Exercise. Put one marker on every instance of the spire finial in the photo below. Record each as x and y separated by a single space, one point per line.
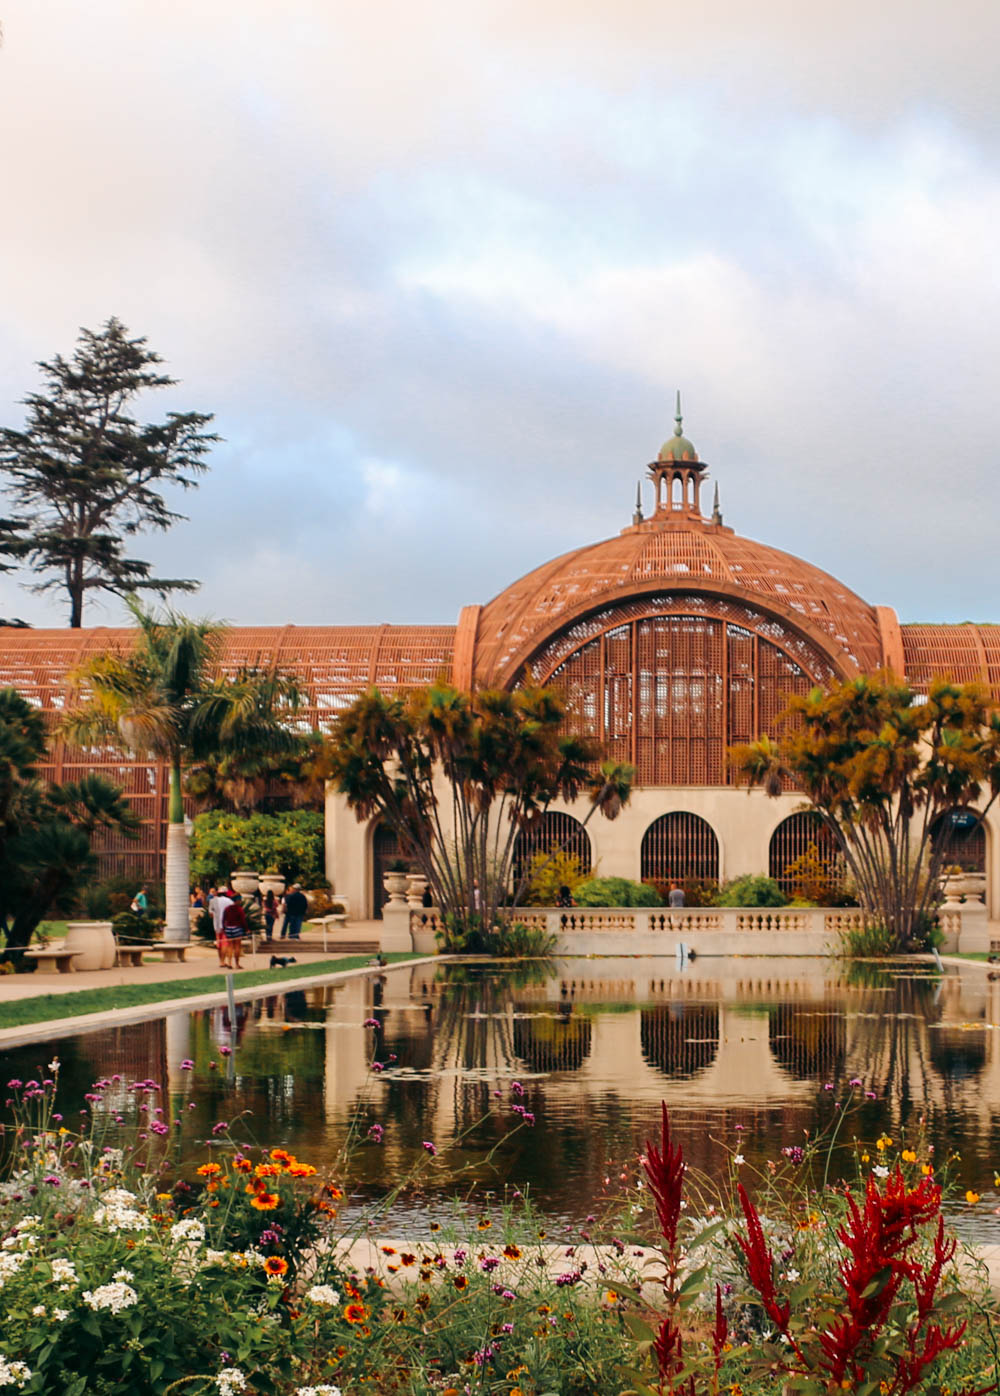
679 428
637 516
716 511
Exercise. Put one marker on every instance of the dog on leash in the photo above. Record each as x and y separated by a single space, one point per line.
281 961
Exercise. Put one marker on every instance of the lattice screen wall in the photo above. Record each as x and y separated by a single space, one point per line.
668 693
332 665
553 831
680 847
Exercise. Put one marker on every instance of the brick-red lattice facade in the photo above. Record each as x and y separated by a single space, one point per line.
671 641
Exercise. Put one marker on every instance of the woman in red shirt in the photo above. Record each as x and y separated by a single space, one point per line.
234 928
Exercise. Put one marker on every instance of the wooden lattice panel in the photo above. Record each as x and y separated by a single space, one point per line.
965 653
555 831
671 691
332 664
657 557
794 837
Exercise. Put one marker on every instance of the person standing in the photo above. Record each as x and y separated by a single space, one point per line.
675 897
296 906
140 902
270 913
234 928
219 903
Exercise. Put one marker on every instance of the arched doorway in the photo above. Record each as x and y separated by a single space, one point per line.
385 851
680 847
803 854
552 832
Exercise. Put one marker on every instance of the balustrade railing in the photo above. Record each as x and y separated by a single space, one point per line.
671 920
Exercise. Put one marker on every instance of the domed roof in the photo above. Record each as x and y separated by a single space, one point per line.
653 559
678 447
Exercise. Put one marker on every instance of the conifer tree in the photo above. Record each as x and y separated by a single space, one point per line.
87 475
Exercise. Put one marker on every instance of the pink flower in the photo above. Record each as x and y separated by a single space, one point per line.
430 1148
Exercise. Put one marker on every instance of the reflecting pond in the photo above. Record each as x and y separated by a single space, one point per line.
748 1053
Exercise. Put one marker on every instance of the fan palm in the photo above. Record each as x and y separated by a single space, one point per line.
163 700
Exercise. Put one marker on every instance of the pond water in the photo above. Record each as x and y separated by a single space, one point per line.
750 1055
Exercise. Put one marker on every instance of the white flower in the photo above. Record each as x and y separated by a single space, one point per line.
189 1231
791 1276
13 1373
323 1294
230 1380
120 1218
60 1314
125 1276
324 1390
215 1257
115 1297
64 1270
38 1311
738 1158
10 1263
54 1065
880 1171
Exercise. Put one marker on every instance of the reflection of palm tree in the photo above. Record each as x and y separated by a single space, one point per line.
888 1047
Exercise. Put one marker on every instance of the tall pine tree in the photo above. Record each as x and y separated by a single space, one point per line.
87 475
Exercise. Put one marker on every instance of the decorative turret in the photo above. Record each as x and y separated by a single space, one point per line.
677 474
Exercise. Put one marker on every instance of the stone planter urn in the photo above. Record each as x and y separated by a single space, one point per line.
424 939
92 944
244 881
416 885
271 882
395 885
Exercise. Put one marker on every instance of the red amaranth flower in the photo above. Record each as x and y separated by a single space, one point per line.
665 1170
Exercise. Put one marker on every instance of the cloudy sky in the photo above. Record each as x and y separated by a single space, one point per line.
438 269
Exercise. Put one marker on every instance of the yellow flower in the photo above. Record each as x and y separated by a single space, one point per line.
909 1156
926 1169
882 1143
971 1197
866 1158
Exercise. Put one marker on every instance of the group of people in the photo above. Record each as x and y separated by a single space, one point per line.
229 917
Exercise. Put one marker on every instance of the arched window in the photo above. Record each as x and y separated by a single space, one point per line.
680 1039
552 832
680 847
804 854
966 839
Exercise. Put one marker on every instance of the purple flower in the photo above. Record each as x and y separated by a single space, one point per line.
459 1256
828 1085
225 1051
187 1064
57 1118
516 1088
376 1133
377 1067
158 1127
528 1117
371 1023
572 1277
52 1180
192 1105
14 1085
489 1263
854 1081
739 1126
794 1152
508 1294
220 1126
430 1147
507 1327
870 1095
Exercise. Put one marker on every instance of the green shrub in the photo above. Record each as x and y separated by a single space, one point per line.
752 891
132 929
548 872
616 891
292 841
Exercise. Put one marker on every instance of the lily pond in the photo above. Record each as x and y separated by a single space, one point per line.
751 1056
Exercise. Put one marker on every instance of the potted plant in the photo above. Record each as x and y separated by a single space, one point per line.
271 880
394 881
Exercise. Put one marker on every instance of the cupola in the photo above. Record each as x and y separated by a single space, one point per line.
677 474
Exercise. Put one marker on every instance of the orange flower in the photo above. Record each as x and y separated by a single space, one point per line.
435 1226
511 1251
388 1250
266 1201
484 1224
355 1313
422 1301
208 1170
243 1165
267 1170
460 1282
333 1192
408 1259
281 1156
274 1265
301 1170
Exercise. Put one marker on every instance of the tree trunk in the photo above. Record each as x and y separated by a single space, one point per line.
178 925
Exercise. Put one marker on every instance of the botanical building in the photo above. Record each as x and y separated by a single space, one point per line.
672 640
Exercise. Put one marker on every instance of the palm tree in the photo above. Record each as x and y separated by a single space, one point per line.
162 700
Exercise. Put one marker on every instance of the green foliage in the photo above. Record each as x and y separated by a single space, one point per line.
616 891
45 831
292 841
548 873
495 759
131 928
87 475
751 891
102 901
880 769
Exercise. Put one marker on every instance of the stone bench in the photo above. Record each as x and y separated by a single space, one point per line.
173 951
130 956
51 961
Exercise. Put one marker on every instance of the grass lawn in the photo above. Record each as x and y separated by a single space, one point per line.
47 1008
969 955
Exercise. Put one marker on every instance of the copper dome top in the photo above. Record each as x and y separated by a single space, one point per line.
675 556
